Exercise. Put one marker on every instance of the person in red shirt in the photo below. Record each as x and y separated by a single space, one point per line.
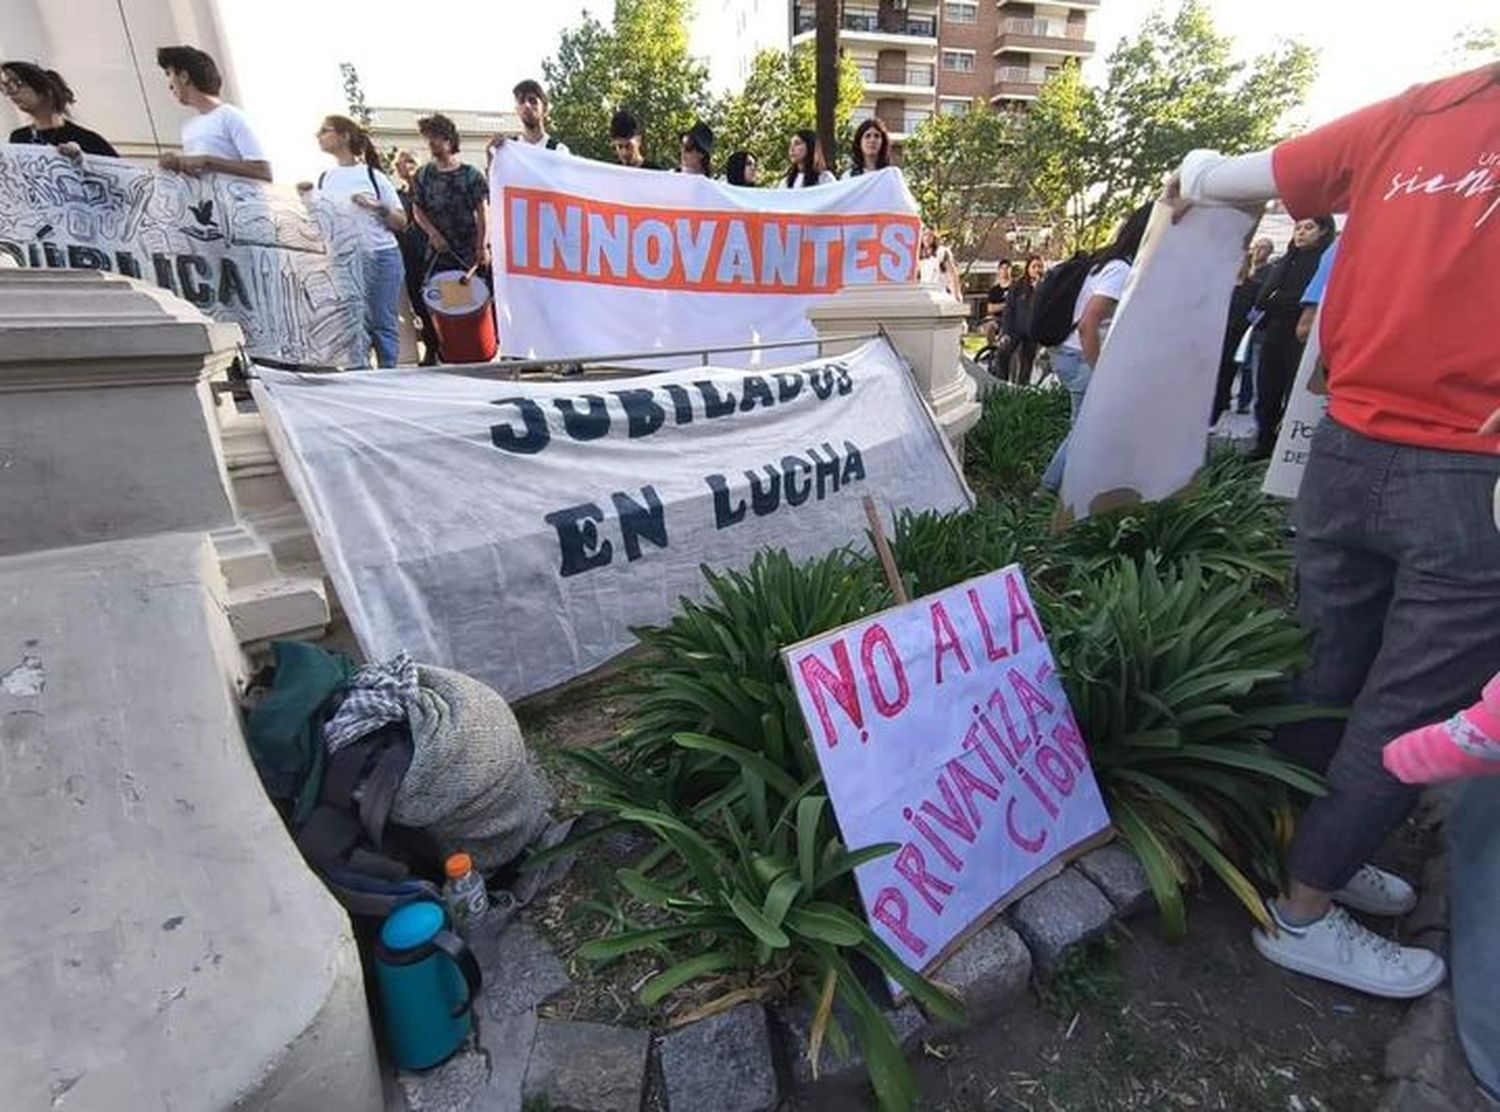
1398 551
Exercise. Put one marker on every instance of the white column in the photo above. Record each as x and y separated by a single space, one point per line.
925 326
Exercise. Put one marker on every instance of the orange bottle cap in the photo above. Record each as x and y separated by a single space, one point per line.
457 865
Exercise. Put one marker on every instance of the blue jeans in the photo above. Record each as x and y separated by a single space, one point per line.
1398 581
1073 373
1474 918
384 276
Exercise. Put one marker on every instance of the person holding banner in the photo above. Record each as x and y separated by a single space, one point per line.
218 138
697 151
43 95
871 149
629 146
1398 553
740 169
358 179
806 164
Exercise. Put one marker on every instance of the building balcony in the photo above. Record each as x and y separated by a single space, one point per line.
895 27
1018 82
899 79
1071 5
1043 36
902 126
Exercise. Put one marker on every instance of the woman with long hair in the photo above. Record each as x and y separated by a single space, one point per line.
805 163
1398 526
358 179
740 169
936 266
1015 325
1074 360
871 149
1280 301
43 95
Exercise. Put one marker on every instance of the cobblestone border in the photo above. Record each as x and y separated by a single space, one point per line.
749 1058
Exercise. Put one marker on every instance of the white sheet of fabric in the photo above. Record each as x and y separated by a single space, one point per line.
442 543
591 258
1144 422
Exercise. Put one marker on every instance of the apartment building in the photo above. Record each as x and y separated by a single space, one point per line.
919 57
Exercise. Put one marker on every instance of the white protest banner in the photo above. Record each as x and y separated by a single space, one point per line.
289 274
596 258
942 725
1304 410
1143 429
517 531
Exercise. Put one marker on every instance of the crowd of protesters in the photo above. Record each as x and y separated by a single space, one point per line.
1398 518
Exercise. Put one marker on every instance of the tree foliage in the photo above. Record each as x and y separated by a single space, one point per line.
964 171
779 98
1093 154
641 62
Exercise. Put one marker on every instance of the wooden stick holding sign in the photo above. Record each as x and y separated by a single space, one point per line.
883 550
942 725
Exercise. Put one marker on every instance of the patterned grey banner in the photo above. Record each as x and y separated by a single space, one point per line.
289 274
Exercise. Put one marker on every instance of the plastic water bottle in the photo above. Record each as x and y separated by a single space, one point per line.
464 891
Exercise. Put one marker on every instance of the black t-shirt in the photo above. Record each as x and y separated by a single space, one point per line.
90 142
997 296
449 198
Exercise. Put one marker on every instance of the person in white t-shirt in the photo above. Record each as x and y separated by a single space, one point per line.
532 106
219 137
359 180
806 165
1074 359
936 266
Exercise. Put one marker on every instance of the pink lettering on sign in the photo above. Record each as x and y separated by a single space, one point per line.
1057 771
1066 735
968 784
891 912
1032 701
913 867
877 638
1020 613
822 681
951 814
1030 845
945 640
991 650
934 839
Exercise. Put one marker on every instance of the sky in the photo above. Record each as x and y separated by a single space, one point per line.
287 52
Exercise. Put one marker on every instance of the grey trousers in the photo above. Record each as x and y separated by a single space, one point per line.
1474 913
1398 581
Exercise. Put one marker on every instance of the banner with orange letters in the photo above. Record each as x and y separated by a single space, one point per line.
591 258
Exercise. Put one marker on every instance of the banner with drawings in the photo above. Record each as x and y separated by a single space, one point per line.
288 273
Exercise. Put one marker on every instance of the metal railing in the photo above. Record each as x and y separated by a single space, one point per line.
514 368
1020 75
919 26
921 76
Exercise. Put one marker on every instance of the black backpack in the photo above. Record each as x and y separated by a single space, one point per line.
1055 299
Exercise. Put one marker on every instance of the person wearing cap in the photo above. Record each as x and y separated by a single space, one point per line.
625 137
531 106
698 150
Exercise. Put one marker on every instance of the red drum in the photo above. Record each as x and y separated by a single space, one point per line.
464 316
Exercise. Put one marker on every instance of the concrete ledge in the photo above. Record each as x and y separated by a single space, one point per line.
162 944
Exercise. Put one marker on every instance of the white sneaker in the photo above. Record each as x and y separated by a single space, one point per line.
1338 949
1377 892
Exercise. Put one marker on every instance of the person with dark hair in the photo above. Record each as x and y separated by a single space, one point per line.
1016 323
805 163
871 149
413 242
43 95
625 137
450 203
1074 360
1280 303
698 151
218 137
741 170
1398 535
532 106
360 180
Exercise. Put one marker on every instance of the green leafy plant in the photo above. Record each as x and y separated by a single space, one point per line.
1007 450
1176 680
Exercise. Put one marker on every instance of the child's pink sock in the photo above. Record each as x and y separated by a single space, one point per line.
1468 744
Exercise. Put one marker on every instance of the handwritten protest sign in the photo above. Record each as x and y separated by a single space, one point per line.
1304 410
942 725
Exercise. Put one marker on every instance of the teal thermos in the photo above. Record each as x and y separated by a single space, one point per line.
428 980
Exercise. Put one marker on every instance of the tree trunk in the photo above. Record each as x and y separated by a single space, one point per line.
828 73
